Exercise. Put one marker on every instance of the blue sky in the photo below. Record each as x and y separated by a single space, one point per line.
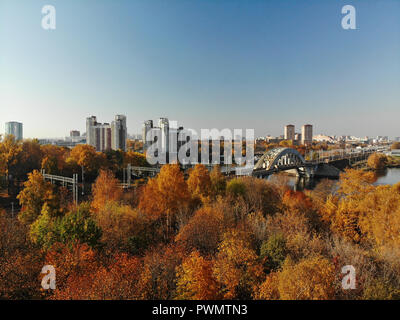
205 63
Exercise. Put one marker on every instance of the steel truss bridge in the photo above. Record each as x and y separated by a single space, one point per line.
282 159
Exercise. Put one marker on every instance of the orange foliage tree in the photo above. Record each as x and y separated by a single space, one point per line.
195 279
203 231
71 263
20 262
158 278
116 280
54 159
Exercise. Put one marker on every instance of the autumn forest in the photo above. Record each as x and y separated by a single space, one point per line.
191 235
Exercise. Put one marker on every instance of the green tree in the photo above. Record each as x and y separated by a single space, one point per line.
274 251
236 187
79 226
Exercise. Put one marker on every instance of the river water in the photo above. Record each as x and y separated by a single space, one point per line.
389 176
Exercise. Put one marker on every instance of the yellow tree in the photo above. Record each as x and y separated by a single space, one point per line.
269 290
86 157
343 212
166 195
105 189
356 182
236 267
9 151
199 183
195 279
35 194
310 279
380 219
377 161
83 155
119 223
286 143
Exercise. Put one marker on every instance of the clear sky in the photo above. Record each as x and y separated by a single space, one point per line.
205 63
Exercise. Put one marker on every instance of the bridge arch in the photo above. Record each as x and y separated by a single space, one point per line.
280 158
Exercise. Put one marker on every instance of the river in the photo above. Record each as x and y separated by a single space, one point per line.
389 176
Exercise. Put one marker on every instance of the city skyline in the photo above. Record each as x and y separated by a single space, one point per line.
231 64
108 136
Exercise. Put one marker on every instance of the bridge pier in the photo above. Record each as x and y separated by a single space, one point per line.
307 172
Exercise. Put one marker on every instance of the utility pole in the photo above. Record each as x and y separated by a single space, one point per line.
12 209
83 181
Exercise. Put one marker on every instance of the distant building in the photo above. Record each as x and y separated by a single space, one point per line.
163 124
289 132
168 134
323 138
306 134
119 133
297 137
105 137
91 124
146 128
74 133
14 128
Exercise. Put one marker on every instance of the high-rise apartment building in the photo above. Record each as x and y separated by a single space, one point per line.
104 136
91 124
119 133
14 128
166 137
163 124
306 134
146 128
289 132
